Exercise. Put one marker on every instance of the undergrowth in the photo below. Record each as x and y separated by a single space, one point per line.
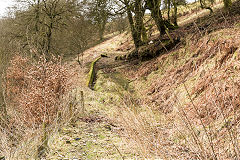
192 105
36 99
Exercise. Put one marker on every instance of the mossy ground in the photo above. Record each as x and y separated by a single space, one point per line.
86 140
93 135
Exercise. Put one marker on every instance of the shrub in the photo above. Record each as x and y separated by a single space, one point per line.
35 90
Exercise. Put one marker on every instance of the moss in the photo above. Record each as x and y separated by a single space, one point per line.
102 136
118 58
92 73
237 25
111 82
111 88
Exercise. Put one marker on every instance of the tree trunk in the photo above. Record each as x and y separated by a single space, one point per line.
156 14
203 6
49 39
2 104
159 21
101 31
37 10
3 109
144 34
139 26
135 35
169 7
175 13
102 26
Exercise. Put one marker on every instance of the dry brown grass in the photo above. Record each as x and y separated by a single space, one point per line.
36 94
35 90
193 106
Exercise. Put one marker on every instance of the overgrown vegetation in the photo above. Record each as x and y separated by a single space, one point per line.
167 87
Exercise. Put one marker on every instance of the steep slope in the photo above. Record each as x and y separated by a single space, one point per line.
192 91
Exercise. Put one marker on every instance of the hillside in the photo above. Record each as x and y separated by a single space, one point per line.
181 103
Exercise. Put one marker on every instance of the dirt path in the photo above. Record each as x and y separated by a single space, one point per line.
94 135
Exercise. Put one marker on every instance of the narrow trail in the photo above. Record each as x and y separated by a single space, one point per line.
94 135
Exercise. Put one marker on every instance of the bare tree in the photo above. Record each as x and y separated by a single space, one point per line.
138 30
41 19
154 7
100 12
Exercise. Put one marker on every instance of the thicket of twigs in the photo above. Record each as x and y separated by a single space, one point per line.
34 97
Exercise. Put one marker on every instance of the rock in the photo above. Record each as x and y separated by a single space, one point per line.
104 55
108 127
77 139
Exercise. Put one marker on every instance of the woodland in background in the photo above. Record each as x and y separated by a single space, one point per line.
68 27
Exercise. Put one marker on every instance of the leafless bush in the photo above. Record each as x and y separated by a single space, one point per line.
35 90
34 96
